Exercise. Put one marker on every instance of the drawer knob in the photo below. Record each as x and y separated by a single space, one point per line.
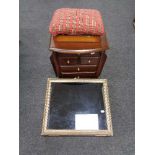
92 53
68 62
88 61
78 69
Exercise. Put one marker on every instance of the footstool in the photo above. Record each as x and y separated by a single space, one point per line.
78 43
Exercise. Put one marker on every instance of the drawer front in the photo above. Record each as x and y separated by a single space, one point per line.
78 75
79 68
89 60
67 55
68 61
91 54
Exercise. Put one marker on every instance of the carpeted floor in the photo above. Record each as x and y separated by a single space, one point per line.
35 68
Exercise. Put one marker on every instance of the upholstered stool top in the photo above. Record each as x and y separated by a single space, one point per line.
76 22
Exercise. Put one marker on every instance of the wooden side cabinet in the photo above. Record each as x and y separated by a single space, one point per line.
87 65
78 56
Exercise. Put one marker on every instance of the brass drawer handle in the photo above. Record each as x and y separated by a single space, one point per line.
88 61
78 69
68 62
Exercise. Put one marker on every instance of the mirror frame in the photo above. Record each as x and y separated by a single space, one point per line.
67 132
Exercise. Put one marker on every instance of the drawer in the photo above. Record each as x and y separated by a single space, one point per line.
68 60
67 55
92 54
79 68
89 60
78 75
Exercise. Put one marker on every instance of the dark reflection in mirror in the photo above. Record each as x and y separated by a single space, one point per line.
77 106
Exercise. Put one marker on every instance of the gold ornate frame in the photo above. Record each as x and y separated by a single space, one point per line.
54 132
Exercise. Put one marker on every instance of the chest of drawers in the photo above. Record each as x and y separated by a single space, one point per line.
78 57
87 65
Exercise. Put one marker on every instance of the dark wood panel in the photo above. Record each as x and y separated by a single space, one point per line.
89 60
54 62
90 54
78 75
78 65
78 68
68 60
68 55
101 64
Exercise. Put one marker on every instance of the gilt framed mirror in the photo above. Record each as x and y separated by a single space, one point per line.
77 107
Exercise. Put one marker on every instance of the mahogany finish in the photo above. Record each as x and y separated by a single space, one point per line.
70 61
79 65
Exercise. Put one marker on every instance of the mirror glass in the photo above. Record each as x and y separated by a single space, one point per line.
77 106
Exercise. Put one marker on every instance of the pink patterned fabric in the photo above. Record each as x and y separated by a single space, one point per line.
76 22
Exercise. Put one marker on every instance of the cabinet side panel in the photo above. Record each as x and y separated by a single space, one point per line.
101 64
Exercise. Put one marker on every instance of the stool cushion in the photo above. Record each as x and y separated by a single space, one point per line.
76 22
